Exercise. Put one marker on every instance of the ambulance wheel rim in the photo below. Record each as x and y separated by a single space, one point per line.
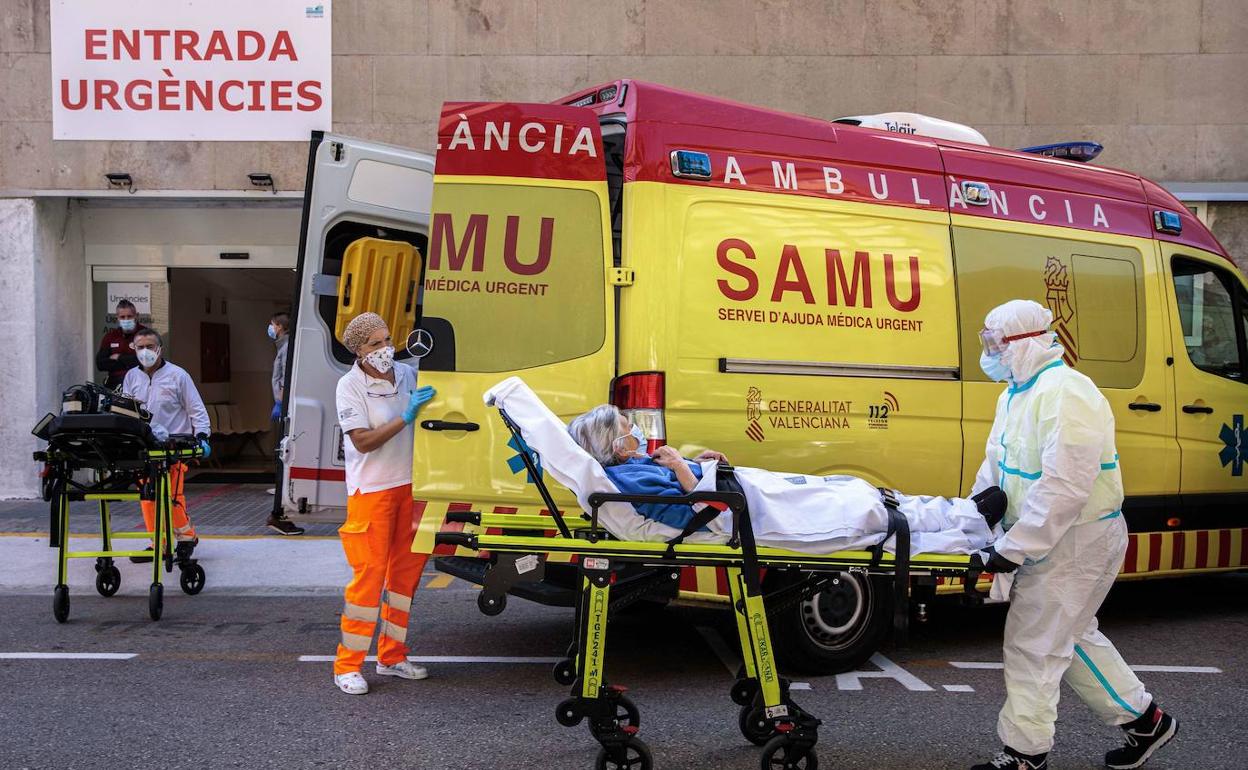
836 610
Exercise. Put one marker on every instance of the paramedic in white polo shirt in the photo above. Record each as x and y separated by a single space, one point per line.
377 403
167 391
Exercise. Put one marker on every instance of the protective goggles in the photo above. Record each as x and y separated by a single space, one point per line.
994 341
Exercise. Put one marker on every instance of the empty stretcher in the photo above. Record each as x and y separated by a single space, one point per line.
520 545
124 462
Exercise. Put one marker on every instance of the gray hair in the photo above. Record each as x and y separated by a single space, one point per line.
596 431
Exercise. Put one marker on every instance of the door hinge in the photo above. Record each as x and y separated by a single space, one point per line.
622 276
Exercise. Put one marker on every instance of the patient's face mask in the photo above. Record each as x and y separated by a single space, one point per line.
381 359
637 435
148 356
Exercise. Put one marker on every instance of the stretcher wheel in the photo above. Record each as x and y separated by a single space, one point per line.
491 605
60 603
191 579
567 713
755 725
780 753
637 756
744 690
565 672
626 712
107 580
155 601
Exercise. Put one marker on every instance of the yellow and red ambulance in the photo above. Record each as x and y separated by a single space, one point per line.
802 295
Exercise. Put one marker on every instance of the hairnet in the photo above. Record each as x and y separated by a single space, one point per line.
1027 356
360 329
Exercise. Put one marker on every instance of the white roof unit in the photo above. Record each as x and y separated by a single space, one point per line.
917 125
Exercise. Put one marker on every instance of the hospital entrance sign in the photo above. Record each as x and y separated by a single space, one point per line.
179 70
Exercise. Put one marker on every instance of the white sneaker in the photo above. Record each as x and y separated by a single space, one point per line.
352 683
405 669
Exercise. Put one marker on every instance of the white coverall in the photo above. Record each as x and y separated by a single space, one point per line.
1051 448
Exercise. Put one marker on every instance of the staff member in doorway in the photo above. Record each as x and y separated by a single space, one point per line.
279 328
1051 448
377 403
166 390
115 356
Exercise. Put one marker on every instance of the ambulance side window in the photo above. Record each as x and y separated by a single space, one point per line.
1211 334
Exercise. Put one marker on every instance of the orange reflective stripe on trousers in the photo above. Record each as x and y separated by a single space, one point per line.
182 527
377 539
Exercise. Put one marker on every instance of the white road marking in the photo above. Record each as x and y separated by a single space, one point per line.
888 670
67 655
958 687
444 659
991 666
800 686
730 659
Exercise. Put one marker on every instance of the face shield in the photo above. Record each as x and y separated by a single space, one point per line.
995 342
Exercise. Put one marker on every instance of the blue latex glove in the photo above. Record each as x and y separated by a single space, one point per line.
276 414
205 447
420 397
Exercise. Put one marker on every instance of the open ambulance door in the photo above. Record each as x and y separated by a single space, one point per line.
361 248
518 283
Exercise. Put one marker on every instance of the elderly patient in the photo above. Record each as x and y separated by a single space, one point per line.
809 513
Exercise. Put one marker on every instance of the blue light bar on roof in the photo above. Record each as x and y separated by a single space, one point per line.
1080 151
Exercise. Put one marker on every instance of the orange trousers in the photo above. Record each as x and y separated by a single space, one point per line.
377 538
182 527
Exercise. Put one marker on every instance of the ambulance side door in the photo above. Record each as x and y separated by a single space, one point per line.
361 248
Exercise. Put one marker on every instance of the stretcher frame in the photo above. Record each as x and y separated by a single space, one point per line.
519 544
145 476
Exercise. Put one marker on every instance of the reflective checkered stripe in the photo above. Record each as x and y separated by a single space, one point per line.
1170 552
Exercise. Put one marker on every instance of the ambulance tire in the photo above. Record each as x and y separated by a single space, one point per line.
836 630
637 753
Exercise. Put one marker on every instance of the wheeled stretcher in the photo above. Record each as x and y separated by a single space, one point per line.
126 463
519 545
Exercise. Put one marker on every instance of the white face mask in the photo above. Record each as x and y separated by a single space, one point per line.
147 356
382 360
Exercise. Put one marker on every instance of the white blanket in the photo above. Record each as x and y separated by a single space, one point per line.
812 514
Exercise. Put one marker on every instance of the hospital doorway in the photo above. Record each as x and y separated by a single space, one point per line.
217 328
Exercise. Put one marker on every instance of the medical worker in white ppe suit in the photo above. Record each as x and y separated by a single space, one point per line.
1052 450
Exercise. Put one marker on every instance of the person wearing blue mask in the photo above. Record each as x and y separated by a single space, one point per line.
115 356
278 331
1051 448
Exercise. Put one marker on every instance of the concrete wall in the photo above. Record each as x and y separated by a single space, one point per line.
44 285
1160 82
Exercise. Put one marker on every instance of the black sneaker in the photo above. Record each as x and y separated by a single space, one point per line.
284 526
1009 759
991 504
1145 735
142 559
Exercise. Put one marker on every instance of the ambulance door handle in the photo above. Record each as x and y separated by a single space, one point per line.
1144 406
443 425
1194 409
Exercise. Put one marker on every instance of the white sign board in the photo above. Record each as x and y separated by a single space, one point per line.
138 293
190 70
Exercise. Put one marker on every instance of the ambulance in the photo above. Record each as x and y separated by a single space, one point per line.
800 294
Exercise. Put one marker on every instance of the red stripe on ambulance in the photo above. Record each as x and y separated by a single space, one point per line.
1178 550
1202 549
1224 548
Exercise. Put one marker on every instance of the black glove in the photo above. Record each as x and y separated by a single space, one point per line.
996 562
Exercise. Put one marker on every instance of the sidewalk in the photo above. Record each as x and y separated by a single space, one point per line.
215 509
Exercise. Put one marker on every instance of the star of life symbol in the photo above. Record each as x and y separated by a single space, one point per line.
753 413
1235 453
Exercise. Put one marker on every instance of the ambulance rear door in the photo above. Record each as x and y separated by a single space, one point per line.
361 248
518 284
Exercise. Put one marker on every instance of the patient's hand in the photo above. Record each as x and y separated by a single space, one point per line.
668 457
711 454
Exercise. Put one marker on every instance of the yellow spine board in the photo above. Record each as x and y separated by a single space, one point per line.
379 276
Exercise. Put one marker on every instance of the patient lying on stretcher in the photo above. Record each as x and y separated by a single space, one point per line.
787 510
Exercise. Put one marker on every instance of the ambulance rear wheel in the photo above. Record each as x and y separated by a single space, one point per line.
637 756
781 754
155 601
108 580
60 603
491 605
837 629
192 579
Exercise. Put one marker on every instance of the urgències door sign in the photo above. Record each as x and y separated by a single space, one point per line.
190 70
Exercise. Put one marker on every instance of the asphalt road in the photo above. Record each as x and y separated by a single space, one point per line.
218 684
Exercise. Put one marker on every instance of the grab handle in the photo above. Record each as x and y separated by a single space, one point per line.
1194 409
1144 406
443 425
